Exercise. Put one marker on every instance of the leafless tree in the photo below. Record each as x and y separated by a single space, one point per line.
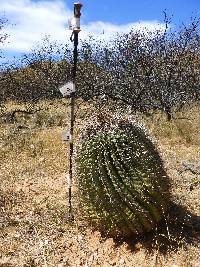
145 71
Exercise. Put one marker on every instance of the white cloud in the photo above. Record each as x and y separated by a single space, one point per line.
33 20
106 30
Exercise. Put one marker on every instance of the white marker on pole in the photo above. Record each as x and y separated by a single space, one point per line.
67 89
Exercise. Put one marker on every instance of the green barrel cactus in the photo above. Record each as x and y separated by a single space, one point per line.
123 185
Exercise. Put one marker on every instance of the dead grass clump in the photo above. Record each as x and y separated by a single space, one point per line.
183 129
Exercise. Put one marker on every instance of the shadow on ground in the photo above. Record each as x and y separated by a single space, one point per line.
179 229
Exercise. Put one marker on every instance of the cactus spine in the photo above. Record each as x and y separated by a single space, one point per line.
123 185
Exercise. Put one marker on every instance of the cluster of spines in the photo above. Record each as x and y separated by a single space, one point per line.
122 181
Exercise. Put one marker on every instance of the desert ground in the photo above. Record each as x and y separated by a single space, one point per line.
34 226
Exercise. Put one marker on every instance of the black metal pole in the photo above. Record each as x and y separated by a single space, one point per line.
71 149
76 30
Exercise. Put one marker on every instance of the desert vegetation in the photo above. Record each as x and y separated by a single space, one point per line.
152 78
146 71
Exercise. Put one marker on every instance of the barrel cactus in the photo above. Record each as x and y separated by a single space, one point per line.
123 185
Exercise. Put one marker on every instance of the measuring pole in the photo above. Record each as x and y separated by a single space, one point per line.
75 24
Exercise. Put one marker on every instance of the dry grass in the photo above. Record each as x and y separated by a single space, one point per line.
34 227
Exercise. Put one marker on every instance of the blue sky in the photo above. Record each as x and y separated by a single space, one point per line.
127 11
31 20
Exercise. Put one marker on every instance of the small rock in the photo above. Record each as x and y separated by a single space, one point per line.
121 261
79 237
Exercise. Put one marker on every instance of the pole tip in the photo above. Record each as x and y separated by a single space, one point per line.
77 10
